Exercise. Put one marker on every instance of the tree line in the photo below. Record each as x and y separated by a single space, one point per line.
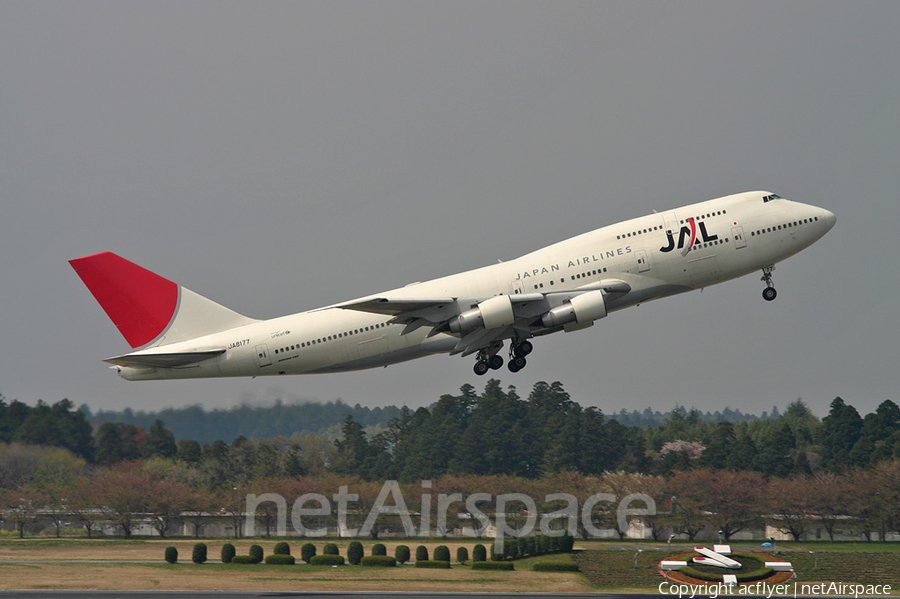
492 432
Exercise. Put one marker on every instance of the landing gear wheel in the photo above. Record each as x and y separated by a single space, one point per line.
769 292
481 367
516 364
524 348
495 362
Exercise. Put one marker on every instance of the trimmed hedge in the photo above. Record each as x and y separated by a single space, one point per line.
442 553
256 553
427 563
422 553
402 553
355 552
228 553
280 559
198 556
330 549
243 559
327 559
379 549
493 566
554 567
307 551
479 553
462 555
382 561
282 548
172 555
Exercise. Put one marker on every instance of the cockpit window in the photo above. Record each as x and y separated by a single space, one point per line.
772 197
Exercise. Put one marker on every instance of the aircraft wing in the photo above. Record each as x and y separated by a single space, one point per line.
438 312
164 359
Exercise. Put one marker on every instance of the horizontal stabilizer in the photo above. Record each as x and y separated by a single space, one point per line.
163 359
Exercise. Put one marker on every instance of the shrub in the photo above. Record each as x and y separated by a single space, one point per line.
425 563
330 549
567 543
327 559
523 546
511 549
479 553
228 553
281 559
355 552
243 559
172 555
422 553
402 553
379 560
307 551
555 567
379 549
282 548
544 543
462 555
532 545
496 557
256 553
442 553
493 566
554 544
198 556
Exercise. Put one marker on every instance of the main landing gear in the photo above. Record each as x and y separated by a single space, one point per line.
769 292
491 361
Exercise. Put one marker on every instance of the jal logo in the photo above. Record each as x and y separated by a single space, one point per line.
687 237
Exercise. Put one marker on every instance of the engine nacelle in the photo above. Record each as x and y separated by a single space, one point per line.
582 309
491 313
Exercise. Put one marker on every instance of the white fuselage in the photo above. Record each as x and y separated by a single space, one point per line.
732 236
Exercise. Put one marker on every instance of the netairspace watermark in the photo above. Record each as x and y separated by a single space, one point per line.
390 502
762 589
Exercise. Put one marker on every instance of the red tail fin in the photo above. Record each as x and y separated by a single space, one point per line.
140 303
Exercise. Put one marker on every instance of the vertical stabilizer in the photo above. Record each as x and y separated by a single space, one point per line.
149 309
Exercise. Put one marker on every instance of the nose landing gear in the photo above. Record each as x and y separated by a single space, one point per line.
769 292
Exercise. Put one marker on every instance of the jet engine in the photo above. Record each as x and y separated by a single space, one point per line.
583 308
491 313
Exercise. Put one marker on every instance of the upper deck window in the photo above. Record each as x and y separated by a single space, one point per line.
772 197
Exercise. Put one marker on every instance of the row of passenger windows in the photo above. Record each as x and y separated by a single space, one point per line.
584 275
710 215
796 223
700 245
331 338
659 227
639 232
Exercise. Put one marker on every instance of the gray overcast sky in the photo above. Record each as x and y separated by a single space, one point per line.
279 156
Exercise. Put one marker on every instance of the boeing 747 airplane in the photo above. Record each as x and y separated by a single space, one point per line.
179 334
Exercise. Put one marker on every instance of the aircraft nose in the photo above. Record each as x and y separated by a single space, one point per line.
830 218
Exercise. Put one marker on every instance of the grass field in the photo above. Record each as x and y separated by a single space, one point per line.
138 564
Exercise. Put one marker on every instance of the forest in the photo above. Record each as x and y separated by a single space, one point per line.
488 441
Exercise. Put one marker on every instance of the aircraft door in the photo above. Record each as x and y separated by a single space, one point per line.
737 233
516 287
262 354
672 223
642 262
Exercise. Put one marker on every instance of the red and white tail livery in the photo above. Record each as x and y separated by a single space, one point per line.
566 286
